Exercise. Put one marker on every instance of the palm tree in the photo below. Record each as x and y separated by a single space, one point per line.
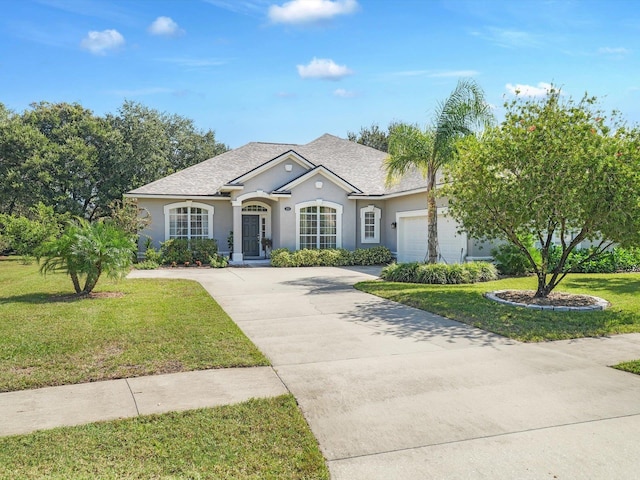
88 250
411 148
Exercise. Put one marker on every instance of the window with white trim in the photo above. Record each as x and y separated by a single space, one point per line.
318 225
188 220
370 224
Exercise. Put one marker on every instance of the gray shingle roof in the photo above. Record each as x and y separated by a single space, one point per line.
359 165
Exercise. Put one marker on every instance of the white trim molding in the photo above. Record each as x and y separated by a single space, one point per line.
320 203
377 215
191 204
286 156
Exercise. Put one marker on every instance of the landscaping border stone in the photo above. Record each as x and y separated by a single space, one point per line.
601 304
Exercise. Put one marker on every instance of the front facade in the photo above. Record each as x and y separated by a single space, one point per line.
329 193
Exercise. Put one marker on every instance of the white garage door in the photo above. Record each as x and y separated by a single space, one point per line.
412 237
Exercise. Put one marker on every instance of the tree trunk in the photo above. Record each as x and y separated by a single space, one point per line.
432 219
76 281
543 288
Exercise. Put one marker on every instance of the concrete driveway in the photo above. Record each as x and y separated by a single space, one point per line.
394 392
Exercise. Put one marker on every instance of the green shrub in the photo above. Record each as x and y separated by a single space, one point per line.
280 257
371 256
25 235
510 260
146 265
5 244
434 273
202 249
332 257
610 261
218 261
153 255
175 250
440 273
401 272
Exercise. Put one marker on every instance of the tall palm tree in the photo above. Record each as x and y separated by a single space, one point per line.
411 148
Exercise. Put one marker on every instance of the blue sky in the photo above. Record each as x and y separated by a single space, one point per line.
289 71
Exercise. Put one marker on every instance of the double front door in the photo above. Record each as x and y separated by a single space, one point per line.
251 235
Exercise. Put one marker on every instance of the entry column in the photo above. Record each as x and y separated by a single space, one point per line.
237 230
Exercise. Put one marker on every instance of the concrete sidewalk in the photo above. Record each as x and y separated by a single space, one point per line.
29 410
394 392
390 391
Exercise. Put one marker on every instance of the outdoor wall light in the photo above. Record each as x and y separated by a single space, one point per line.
394 225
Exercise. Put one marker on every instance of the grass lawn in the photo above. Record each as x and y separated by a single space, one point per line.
156 326
252 440
633 366
466 304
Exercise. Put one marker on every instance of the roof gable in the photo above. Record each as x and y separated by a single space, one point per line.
325 172
286 156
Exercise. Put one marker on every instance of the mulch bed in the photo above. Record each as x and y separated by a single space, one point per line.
556 299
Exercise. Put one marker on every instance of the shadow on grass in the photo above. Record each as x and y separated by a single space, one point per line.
46 298
468 305
615 285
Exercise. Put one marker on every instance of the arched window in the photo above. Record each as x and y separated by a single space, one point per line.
188 220
318 225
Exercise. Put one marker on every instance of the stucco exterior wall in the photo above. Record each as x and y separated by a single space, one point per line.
385 223
222 220
273 178
305 192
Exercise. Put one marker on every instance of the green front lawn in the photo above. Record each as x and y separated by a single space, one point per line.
155 326
266 438
466 304
633 366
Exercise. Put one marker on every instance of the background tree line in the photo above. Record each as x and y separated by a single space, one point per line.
66 157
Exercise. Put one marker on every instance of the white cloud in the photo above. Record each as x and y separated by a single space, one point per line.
99 43
342 93
323 68
509 38
165 26
309 11
614 51
529 90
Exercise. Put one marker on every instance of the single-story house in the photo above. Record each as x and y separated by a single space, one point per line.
329 193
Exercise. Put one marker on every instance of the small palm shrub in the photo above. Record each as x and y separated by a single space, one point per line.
86 250
440 273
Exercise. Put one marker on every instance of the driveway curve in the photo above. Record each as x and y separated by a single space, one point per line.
395 392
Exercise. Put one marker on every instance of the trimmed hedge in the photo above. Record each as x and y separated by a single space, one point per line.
440 273
180 251
336 257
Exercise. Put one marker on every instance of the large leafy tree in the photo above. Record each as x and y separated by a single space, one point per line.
65 156
556 169
416 151
159 143
373 136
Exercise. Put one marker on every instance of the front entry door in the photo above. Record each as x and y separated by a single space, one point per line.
251 235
